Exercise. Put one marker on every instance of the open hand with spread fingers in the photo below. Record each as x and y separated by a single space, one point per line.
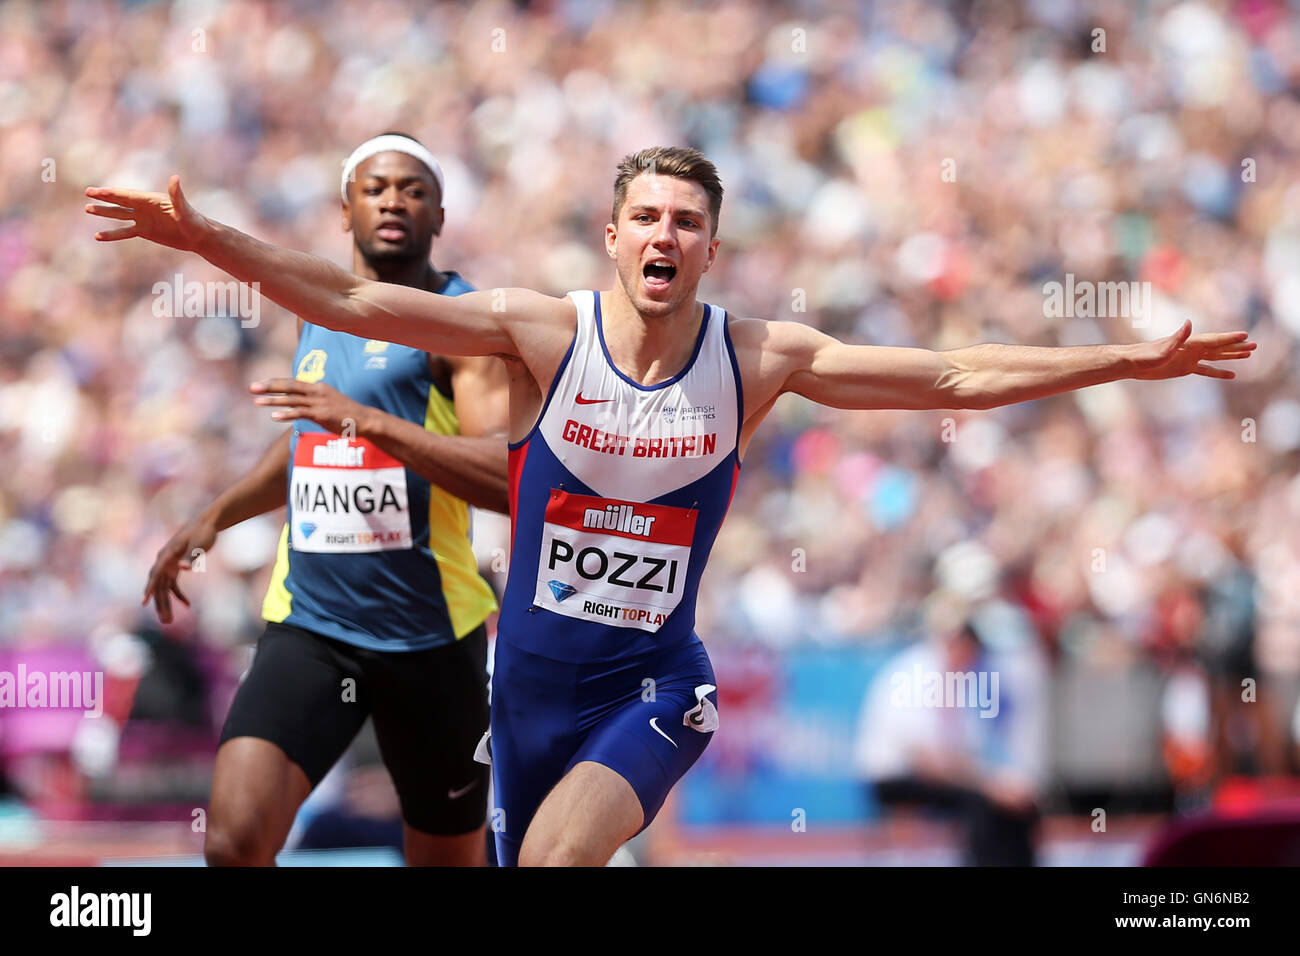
1185 354
165 218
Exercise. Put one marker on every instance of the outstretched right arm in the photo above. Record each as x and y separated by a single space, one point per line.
501 322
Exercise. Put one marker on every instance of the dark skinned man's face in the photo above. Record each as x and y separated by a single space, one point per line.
394 208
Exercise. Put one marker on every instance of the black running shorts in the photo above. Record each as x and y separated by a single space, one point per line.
309 695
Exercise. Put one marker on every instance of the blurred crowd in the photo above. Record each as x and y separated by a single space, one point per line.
907 174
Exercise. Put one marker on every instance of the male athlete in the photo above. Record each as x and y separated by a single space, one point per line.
375 606
630 412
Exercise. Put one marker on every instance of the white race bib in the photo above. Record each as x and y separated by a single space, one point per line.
347 496
616 562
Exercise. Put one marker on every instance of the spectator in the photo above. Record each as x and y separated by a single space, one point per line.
959 729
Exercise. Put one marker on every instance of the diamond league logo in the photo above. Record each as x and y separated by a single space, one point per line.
561 590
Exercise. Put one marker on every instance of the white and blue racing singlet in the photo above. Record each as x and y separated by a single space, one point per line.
617 495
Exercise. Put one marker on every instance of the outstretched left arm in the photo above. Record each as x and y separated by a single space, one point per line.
779 357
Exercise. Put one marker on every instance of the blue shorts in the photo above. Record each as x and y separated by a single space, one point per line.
647 719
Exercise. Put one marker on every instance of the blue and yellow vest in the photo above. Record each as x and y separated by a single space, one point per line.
372 554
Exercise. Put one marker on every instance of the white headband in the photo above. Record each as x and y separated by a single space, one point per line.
384 144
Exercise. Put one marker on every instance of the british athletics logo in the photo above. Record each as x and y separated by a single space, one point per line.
621 563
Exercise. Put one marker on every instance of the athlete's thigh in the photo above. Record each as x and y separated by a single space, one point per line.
589 814
286 727
534 736
653 738
430 709
294 696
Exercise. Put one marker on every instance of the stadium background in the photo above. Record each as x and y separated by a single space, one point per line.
903 173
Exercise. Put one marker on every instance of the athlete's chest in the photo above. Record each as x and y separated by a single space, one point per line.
393 377
640 443
620 556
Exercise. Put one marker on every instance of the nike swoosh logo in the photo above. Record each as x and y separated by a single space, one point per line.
457 794
660 732
591 401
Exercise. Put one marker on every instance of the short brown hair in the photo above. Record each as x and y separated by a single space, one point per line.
680 162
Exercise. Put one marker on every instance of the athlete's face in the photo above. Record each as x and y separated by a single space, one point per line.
394 208
661 242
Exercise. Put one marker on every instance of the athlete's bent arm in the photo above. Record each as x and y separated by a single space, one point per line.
263 489
477 323
471 465
471 468
790 357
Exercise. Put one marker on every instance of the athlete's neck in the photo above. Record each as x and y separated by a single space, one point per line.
416 273
648 350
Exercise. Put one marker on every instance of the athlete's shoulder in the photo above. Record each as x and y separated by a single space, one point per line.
576 299
768 352
455 285
529 304
523 302
556 310
761 336
541 327
320 334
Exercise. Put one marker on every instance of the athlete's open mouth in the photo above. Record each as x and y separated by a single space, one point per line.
391 230
658 274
